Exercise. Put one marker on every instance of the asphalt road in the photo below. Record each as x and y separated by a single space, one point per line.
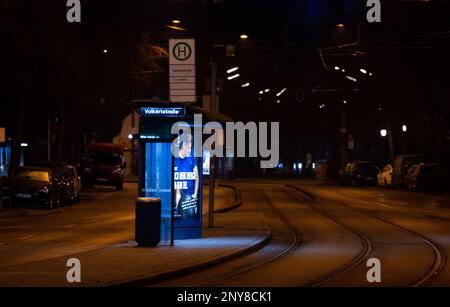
320 238
104 218
326 236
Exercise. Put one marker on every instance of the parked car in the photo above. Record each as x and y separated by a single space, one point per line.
384 178
424 177
104 165
401 166
60 175
33 185
359 172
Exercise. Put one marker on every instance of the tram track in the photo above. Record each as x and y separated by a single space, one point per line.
296 242
440 258
365 250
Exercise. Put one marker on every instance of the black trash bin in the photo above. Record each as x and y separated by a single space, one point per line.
148 221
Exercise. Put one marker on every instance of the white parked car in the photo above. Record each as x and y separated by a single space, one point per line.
384 178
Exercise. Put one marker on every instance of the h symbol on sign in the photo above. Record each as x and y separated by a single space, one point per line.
182 51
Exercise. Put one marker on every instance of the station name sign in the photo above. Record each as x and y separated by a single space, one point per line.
162 112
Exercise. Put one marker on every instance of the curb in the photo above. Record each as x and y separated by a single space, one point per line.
237 199
194 268
205 265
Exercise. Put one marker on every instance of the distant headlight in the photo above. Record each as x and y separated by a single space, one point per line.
43 190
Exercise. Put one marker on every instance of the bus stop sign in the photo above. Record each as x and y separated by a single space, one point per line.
182 70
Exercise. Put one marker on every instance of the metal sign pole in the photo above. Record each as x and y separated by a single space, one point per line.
212 184
172 209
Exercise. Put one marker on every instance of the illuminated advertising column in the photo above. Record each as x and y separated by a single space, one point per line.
176 180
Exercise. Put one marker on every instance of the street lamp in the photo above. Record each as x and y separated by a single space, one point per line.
404 128
281 92
233 77
176 21
244 36
351 78
231 70
383 132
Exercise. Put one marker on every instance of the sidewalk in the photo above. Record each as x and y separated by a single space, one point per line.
235 234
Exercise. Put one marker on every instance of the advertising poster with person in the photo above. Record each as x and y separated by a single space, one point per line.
187 181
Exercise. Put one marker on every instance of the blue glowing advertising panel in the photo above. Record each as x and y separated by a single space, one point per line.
158 181
5 160
187 190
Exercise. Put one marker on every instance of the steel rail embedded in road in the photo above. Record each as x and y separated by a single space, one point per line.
440 258
296 241
365 250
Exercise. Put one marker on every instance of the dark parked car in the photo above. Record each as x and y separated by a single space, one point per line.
424 177
359 173
401 167
33 185
60 175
